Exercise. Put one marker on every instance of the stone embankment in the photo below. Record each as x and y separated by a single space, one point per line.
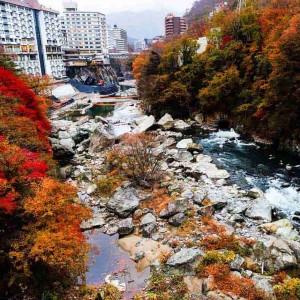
197 190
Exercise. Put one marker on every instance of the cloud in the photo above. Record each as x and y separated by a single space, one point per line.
109 6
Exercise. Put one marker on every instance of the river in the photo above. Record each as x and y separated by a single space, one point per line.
249 165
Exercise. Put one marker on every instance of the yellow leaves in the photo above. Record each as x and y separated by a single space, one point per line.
289 289
139 64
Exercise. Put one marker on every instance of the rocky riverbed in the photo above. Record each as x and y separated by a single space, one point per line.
171 238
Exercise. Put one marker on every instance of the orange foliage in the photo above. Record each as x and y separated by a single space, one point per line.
139 64
226 282
159 201
53 235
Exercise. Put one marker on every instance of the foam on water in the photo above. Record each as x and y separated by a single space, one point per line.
286 199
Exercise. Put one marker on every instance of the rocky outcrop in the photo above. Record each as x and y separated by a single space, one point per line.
145 125
124 202
100 139
184 256
260 209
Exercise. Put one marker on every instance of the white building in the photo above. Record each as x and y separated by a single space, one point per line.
140 45
119 39
30 34
86 31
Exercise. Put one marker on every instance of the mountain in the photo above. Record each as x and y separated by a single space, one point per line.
144 24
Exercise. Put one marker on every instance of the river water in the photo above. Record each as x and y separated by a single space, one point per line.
251 165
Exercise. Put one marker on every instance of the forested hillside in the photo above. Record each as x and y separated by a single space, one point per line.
249 71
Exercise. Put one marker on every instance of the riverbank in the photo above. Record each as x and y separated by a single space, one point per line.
193 219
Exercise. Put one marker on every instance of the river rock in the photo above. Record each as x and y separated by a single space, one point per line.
200 195
211 170
264 283
165 119
124 202
199 118
260 209
276 254
183 144
215 198
255 193
148 224
96 221
237 263
173 208
193 147
125 226
145 125
203 158
177 220
282 228
184 256
100 139
181 125
91 189
183 156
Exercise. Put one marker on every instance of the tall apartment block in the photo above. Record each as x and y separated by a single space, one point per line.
174 26
118 38
86 31
30 34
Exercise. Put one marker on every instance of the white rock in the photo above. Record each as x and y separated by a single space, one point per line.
183 144
165 119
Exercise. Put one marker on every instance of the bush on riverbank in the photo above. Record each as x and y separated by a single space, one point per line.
249 71
135 159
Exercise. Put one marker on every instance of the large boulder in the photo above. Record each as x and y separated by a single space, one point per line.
165 119
183 144
199 118
97 221
177 220
181 125
282 228
184 256
265 284
277 254
215 198
125 226
174 208
64 151
124 202
210 170
145 125
260 209
183 156
100 139
148 224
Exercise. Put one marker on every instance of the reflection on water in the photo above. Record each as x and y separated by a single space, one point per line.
107 258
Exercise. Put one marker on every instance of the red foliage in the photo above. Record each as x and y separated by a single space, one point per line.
13 87
226 39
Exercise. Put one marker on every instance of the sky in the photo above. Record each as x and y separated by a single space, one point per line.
113 6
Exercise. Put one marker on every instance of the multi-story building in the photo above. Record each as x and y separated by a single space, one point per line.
140 45
30 34
119 39
86 31
174 26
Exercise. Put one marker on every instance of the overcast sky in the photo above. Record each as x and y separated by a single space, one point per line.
111 6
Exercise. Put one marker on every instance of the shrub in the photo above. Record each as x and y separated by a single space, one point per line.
226 282
162 287
107 185
289 289
109 292
135 159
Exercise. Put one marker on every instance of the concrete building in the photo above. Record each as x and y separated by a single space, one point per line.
119 39
174 26
140 45
30 34
85 30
